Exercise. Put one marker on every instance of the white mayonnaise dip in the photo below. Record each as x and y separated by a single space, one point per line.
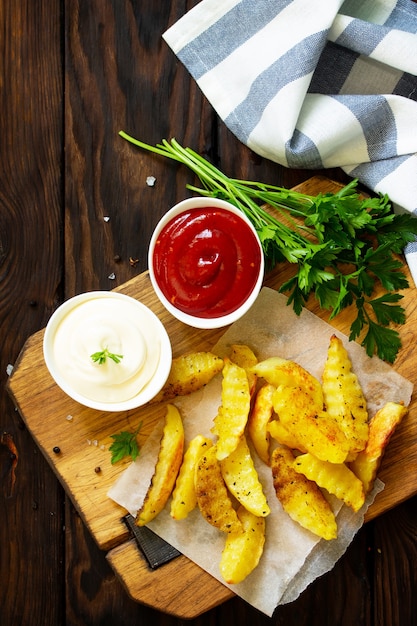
123 329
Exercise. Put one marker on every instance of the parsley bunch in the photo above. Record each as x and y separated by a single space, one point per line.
341 244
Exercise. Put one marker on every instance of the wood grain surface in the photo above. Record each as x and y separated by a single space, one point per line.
72 75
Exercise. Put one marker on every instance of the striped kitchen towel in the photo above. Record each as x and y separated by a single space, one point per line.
314 84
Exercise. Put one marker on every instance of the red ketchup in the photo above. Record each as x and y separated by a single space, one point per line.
207 261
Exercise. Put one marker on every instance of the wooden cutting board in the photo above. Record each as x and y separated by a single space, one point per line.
83 436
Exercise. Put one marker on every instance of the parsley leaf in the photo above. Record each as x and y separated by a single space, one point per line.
385 339
386 310
124 444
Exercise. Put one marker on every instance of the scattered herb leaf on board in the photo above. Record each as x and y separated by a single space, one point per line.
124 444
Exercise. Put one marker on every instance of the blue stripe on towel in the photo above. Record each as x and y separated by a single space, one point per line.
211 47
302 59
370 174
362 36
301 150
377 121
403 17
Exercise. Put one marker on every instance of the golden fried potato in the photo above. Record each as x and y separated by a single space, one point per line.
242 551
243 356
301 498
381 428
166 469
337 479
189 372
343 396
241 478
230 421
184 498
258 421
281 372
316 431
283 436
213 498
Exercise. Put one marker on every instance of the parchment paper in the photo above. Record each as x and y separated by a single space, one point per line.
293 557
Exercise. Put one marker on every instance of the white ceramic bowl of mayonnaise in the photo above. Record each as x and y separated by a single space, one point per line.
132 342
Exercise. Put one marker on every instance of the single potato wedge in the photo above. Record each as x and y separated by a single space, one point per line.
381 429
343 396
166 469
259 419
231 419
282 372
189 372
316 431
241 478
337 479
242 551
213 498
283 436
244 356
301 498
184 498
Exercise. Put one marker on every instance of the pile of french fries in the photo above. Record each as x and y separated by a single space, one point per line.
315 436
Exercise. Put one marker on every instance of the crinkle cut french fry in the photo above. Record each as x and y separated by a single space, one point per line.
337 479
231 419
343 396
244 356
213 497
301 498
242 480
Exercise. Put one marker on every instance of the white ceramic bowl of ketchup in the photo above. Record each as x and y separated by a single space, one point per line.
206 262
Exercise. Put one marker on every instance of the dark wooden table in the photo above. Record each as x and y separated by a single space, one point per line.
72 75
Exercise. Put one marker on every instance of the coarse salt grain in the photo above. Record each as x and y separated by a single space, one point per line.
150 181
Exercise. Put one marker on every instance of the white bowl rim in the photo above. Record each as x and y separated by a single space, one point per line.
191 320
151 389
